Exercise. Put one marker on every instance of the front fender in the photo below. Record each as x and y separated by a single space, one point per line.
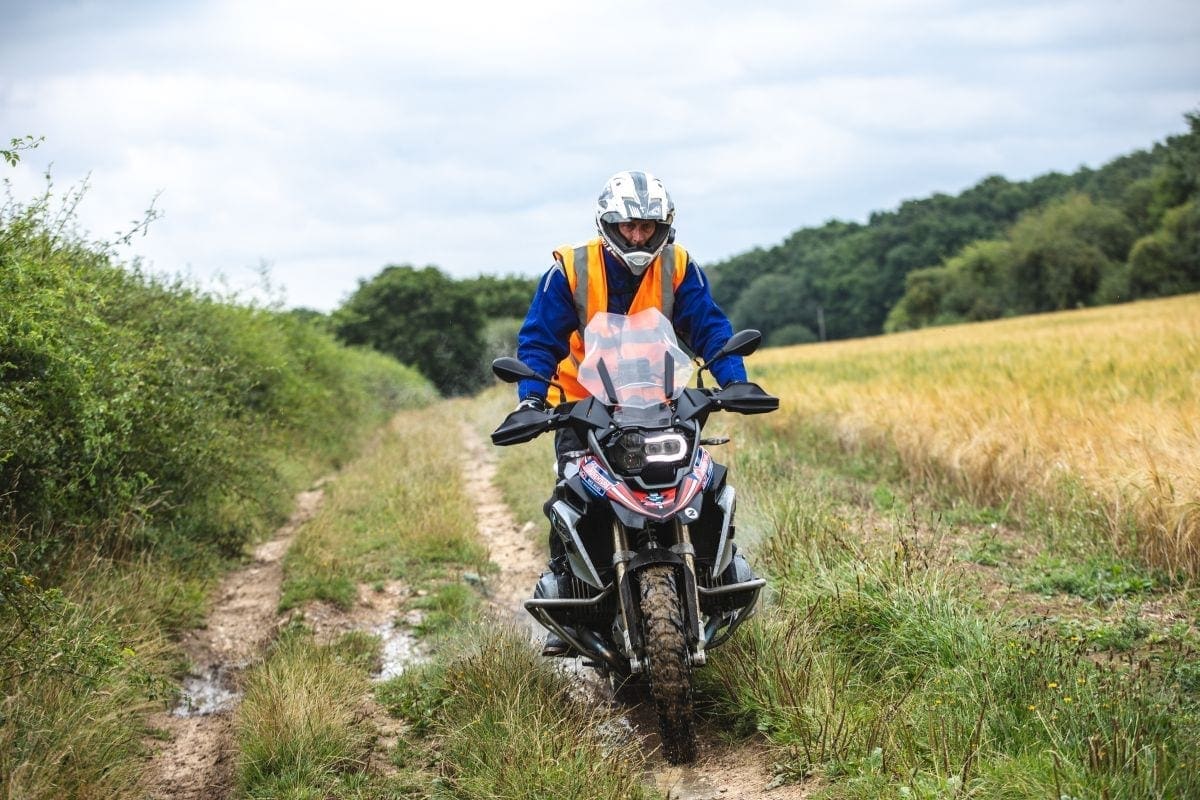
686 584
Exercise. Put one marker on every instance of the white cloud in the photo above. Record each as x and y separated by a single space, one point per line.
332 140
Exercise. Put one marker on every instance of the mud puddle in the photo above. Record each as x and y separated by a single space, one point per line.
210 693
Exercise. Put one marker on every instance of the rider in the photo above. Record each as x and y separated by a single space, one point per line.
634 264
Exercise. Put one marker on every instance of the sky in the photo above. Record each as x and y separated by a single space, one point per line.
296 148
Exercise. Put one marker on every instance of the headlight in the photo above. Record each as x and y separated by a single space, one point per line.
634 450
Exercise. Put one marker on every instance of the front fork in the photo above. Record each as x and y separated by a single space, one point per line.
683 537
684 555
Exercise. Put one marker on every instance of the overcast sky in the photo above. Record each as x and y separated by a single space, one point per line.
330 139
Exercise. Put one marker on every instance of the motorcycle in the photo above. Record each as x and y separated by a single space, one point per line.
643 514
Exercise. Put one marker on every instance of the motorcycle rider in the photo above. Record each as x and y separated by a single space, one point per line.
632 265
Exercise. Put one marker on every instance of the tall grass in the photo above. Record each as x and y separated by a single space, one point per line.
504 723
876 669
303 727
75 678
1089 412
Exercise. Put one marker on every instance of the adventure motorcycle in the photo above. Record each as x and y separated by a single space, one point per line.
643 514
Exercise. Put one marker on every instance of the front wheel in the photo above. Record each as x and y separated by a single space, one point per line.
667 664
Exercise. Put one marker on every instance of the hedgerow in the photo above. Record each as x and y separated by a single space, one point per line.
137 411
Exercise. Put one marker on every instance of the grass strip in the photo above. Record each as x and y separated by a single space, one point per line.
304 728
398 513
488 718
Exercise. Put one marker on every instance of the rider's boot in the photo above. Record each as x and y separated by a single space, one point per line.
547 587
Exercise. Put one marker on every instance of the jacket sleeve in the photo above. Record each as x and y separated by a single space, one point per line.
701 323
545 336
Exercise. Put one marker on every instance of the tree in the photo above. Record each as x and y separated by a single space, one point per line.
857 273
1168 261
772 302
1063 252
422 318
502 297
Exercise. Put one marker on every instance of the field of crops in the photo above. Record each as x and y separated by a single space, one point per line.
1095 411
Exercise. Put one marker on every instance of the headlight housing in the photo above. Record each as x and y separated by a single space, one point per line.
632 451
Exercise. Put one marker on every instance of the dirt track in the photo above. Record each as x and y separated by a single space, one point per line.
196 761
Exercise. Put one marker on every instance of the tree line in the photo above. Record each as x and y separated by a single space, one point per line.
1001 248
1127 230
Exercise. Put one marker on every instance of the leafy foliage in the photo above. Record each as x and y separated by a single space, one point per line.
501 297
12 155
994 250
420 317
1065 255
133 410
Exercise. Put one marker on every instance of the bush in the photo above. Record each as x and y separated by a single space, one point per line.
135 410
422 318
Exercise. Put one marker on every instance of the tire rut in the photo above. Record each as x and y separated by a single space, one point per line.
197 761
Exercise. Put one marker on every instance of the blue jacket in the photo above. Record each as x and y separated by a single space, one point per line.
699 322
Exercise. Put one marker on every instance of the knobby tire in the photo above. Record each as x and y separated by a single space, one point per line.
667 664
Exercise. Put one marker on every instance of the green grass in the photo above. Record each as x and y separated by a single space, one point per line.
504 723
398 513
148 432
450 605
1120 636
76 683
1093 578
303 728
876 668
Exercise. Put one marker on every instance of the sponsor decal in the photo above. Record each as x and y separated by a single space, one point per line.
657 504
595 478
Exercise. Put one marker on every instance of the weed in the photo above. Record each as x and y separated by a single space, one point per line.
1097 578
449 605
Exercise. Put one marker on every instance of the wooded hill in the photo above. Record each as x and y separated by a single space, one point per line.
1128 230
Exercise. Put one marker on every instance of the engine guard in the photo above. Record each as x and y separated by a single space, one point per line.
714 634
583 641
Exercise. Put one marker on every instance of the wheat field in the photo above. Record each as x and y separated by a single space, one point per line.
1096 406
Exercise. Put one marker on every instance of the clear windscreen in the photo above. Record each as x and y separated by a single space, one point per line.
633 361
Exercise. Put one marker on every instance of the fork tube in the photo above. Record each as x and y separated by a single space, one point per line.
684 536
620 558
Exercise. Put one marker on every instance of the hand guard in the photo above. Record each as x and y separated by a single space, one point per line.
744 397
523 423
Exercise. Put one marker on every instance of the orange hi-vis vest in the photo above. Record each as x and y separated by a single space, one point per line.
584 269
